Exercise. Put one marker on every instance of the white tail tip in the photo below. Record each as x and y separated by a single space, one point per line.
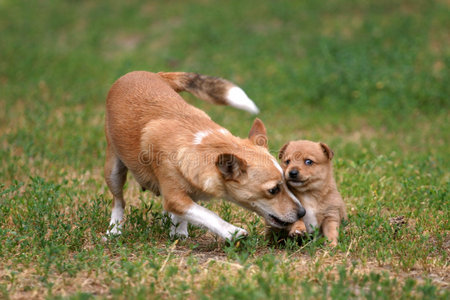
238 98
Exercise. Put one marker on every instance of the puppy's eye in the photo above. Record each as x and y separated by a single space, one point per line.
308 162
287 162
275 190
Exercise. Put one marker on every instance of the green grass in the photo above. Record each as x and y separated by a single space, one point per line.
369 78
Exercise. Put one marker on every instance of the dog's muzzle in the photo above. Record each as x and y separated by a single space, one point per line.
301 212
279 222
285 223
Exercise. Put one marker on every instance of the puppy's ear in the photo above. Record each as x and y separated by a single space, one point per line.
327 151
258 134
283 150
230 166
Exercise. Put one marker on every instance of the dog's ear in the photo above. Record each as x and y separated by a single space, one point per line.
327 151
230 166
283 150
258 134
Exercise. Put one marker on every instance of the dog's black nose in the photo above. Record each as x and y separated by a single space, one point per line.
293 173
301 212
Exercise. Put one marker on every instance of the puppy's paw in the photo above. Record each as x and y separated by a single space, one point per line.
297 233
297 229
333 244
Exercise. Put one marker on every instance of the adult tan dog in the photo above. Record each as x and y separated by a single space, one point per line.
176 150
309 174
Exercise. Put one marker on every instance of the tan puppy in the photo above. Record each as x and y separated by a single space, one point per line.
176 150
309 174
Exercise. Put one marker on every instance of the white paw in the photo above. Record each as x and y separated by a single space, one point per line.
176 232
179 227
115 230
236 233
241 232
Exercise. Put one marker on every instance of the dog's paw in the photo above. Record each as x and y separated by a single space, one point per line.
178 234
234 237
236 234
111 234
115 230
241 233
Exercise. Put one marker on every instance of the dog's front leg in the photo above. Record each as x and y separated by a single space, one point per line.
200 216
178 203
179 227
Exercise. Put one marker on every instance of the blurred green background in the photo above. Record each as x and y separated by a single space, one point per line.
304 63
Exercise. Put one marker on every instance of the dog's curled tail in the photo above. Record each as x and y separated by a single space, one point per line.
212 89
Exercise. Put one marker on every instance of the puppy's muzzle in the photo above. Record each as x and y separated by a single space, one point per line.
294 178
293 173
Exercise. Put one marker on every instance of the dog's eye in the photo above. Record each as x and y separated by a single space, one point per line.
275 190
308 162
287 162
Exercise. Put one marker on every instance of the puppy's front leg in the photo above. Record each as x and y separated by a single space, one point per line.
330 231
297 229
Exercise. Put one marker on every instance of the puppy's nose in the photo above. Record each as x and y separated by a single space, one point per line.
293 173
301 212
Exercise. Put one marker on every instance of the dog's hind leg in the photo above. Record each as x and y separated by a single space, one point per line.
115 176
